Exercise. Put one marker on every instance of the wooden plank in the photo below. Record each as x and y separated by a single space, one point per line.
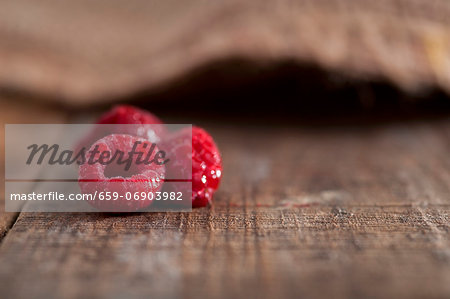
15 111
348 212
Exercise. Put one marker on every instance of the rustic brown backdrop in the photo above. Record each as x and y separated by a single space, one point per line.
332 118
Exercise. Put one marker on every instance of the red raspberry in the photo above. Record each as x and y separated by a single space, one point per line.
114 178
206 163
126 114
144 122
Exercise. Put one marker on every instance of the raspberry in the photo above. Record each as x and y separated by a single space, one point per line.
206 163
144 122
114 177
125 114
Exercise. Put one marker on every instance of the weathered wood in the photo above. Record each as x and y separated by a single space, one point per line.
81 51
12 110
346 212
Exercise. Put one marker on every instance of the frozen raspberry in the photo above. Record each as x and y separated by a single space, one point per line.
140 123
206 162
114 177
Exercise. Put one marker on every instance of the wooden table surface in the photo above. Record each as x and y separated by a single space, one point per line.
336 212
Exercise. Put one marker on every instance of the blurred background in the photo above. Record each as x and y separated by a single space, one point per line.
333 121
305 58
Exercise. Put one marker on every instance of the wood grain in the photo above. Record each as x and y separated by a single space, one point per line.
14 111
343 212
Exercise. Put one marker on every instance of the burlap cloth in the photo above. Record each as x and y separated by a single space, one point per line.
80 52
